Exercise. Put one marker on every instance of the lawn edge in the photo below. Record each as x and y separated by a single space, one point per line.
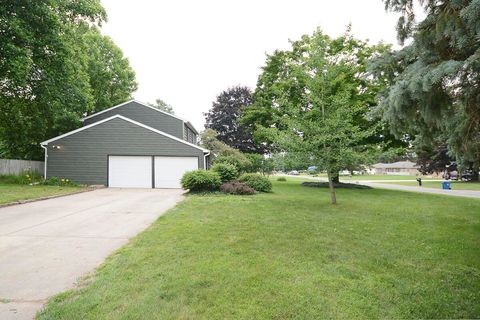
14 203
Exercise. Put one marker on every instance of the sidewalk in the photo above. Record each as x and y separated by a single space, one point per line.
379 184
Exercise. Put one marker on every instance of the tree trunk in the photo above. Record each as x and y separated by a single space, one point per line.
475 176
333 196
336 178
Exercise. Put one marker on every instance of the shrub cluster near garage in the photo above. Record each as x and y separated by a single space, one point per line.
257 182
226 171
201 180
236 187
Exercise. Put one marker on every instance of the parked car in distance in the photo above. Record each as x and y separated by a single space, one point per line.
294 173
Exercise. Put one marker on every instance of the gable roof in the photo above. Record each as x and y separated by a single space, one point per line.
188 123
117 116
397 165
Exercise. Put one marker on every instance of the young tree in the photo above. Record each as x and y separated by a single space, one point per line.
314 100
434 89
224 118
162 105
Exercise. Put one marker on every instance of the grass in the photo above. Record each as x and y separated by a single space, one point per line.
16 192
382 177
455 185
291 255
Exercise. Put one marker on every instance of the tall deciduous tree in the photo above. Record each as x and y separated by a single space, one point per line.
434 89
315 98
52 64
111 78
224 117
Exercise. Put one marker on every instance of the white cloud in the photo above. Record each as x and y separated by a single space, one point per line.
187 52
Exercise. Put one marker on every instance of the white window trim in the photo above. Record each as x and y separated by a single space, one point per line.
117 116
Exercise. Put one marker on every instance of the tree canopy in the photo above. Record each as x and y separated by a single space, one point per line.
434 82
314 100
224 117
55 67
162 105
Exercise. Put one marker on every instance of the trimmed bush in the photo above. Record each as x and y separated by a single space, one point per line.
257 182
201 180
236 187
226 171
282 179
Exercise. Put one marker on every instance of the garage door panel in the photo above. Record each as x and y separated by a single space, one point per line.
169 170
130 171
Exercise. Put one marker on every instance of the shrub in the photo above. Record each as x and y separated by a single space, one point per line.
55 181
257 182
282 179
240 162
227 172
236 187
201 180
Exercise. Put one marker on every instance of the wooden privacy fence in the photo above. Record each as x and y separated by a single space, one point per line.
11 166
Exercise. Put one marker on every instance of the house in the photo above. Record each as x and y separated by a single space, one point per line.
400 167
131 145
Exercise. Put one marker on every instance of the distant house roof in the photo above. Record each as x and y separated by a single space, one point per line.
396 165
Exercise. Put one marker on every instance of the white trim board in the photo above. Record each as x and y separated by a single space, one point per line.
144 105
117 116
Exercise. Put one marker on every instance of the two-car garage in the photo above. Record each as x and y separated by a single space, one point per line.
148 171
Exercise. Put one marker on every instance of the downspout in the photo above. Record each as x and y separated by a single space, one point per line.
45 161
205 160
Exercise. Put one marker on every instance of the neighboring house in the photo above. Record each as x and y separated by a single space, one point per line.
130 145
400 167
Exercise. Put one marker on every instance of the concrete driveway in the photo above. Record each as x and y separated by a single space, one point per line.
46 246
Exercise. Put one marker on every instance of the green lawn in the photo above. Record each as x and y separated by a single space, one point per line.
455 185
15 192
381 177
291 255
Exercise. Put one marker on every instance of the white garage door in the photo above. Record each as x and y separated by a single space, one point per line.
130 171
169 170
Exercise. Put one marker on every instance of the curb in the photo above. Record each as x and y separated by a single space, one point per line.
88 189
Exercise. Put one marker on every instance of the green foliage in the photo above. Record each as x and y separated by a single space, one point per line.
162 105
257 182
281 179
63 182
55 67
111 78
201 180
238 188
313 100
240 162
224 118
27 177
434 82
258 163
226 171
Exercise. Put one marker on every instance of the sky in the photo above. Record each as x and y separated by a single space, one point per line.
187 52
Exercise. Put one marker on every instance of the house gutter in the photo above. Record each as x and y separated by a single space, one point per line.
45 161
205 160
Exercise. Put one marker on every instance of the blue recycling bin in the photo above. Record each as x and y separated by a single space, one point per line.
446 185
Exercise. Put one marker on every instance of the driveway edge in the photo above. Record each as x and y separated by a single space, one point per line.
14 203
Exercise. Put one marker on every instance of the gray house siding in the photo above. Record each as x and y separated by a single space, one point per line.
82 156
189 135
145 115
